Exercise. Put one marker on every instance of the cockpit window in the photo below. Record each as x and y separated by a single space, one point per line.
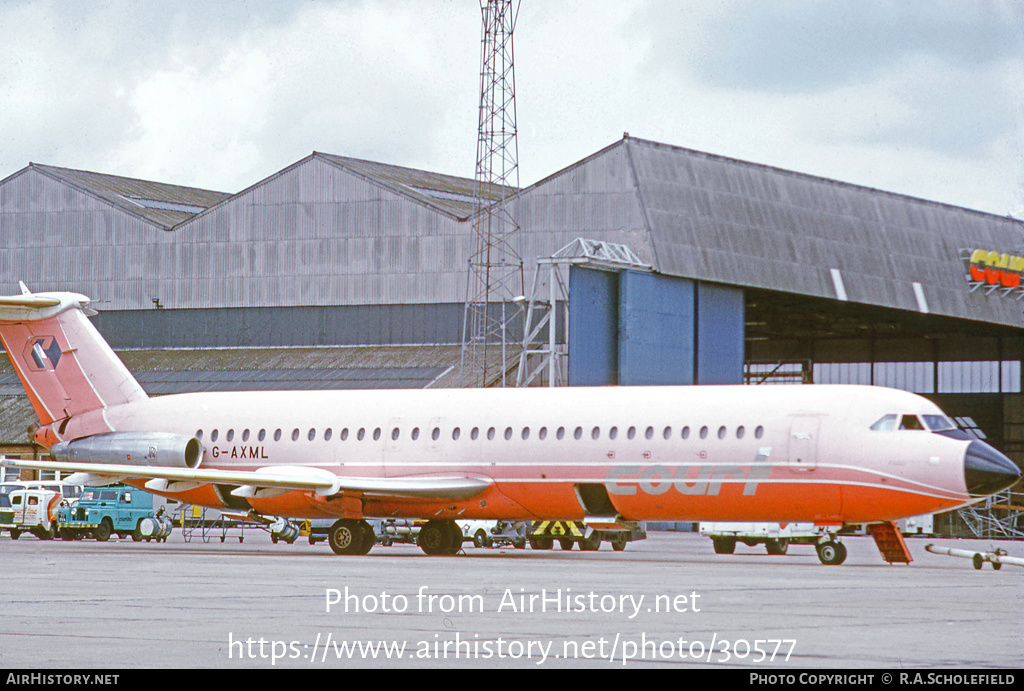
938 423
886 424
911 422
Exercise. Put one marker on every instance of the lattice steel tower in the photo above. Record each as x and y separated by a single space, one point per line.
495 276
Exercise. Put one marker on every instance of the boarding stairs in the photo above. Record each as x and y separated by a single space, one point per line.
890 542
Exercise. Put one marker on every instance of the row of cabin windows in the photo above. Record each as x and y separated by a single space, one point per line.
542 433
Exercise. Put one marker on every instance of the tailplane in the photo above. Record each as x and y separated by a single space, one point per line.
63 362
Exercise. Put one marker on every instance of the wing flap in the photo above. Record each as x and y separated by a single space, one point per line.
302 478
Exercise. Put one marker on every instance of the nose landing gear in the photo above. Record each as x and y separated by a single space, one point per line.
831 553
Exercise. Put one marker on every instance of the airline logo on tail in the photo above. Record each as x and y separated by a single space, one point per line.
42 354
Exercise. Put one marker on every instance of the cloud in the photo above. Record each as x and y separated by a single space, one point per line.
910 96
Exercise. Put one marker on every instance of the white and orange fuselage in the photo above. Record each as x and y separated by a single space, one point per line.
662 453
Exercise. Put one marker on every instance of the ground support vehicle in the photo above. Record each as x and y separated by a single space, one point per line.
31 510
588 535
775 537
495 533
115 509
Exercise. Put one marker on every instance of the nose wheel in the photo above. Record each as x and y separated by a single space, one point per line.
831 553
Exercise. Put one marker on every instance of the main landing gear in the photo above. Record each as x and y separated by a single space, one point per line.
349 536
440 538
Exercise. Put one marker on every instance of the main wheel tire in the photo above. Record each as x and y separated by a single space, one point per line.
566 543
347 536
590 544
777 547
831 553
480 538
436 538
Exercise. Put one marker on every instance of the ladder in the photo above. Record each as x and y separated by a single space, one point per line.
890 542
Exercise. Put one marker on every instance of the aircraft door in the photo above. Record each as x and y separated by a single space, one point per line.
803 442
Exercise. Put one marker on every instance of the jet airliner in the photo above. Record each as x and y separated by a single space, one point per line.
832 455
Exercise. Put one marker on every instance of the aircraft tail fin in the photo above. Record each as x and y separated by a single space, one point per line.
62 360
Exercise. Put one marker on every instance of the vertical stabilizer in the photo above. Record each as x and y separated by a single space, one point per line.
62 360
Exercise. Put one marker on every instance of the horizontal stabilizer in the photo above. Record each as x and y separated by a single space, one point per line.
302 478
30 301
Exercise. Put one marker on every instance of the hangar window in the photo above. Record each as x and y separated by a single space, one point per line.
277 435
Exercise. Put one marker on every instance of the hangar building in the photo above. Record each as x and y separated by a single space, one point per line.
338 272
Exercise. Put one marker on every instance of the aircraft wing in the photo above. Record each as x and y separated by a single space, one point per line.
302 478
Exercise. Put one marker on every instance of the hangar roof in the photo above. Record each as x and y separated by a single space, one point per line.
729 221
446 193
163 204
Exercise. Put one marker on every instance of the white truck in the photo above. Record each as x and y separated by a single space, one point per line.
31 510
775 537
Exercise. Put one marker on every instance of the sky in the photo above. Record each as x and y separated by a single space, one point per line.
919 97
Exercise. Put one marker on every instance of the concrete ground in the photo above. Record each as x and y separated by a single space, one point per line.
668 600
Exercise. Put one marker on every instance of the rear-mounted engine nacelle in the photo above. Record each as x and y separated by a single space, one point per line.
132 448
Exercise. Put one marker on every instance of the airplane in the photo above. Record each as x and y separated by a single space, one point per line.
828 454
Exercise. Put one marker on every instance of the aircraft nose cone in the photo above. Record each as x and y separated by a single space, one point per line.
986 471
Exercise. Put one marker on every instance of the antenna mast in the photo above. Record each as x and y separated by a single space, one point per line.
495 277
